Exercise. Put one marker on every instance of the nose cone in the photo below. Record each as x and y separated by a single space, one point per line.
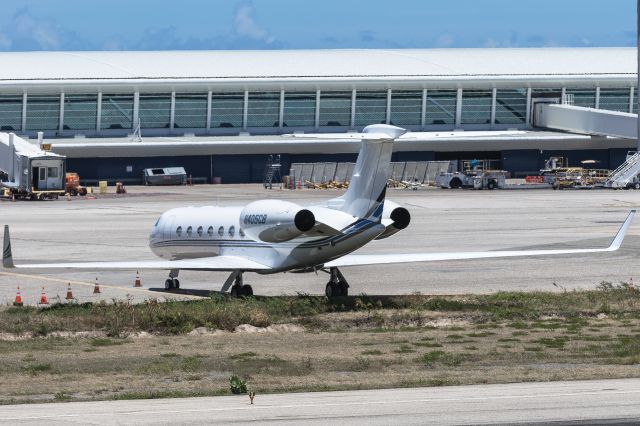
392 131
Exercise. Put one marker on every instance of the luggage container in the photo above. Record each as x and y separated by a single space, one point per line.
165 176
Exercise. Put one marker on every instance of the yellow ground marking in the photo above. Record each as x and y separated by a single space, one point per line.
91 284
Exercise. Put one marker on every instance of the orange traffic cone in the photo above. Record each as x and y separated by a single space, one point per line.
96 288
137 283
69 293
18 301
44 300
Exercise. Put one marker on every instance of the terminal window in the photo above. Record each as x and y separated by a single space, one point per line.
117 111
10 113
406 108
441 107
476 106
511 106
614 99
43 112
227 109
371 108
80 112
263 109
190 111
583 97
299 109
335 109
155 111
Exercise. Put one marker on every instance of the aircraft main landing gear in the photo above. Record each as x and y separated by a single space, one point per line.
337 285
239 289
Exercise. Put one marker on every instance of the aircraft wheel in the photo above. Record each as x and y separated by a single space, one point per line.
343 288
636 185
247 290
168 284
331 290
236 291
176 283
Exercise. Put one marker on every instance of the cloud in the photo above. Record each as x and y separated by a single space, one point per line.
246 26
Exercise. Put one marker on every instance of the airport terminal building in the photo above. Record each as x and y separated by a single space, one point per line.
220 113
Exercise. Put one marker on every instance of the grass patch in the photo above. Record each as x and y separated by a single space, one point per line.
372 352
34 369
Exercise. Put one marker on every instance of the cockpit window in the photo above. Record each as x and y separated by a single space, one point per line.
199 231
189 231
179 231
232 231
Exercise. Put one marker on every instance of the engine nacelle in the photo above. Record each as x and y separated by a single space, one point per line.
275 221
395 218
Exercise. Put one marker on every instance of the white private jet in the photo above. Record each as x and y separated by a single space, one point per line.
270 236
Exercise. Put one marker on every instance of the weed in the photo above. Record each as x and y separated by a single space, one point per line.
238 386
404 349
34 369
372 352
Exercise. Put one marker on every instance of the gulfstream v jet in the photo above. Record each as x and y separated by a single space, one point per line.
270 236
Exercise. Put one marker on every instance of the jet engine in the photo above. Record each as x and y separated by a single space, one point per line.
395 218
275 221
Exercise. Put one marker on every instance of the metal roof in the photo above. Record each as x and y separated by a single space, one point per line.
317 65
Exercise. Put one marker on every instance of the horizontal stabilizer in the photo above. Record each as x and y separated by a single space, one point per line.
376 259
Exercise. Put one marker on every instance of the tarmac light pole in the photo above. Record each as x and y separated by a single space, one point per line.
638 82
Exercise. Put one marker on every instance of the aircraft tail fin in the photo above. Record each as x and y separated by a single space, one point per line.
7 257
368 185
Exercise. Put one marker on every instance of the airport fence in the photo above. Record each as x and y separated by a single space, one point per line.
312 175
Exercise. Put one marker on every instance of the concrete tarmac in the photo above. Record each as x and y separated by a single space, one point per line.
117 228
580 402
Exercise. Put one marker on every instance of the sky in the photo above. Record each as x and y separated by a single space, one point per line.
28 25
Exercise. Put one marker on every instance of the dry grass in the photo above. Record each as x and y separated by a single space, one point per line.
350 344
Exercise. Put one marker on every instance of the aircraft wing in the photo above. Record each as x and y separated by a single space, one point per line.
380 259
217 263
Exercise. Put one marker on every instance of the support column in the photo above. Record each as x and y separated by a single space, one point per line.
353 109
638 76
136 110
423 115
281 113
24 112
458 122
61 114
245 110
631 92
598 97
209 105
99 112
388 121
528 109
317 123
172 114
494 94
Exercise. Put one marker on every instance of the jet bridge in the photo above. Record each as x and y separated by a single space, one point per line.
587 121
595 122
31 172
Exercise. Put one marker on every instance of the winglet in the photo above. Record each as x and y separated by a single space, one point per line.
617 241
7 258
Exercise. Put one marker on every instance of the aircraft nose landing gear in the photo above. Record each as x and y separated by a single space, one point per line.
172 283
337 285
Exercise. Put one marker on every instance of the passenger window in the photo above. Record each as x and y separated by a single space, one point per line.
232 231
221 231
241 232
179 231
199 231
210 231
189 231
